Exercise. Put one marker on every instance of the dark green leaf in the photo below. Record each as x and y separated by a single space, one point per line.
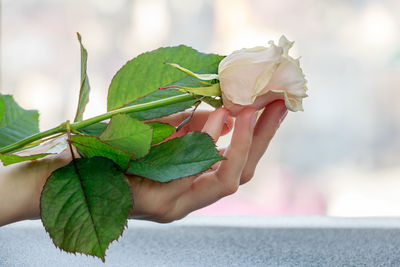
94 129
160 131
129 135
91 146
162 111
146 73
1 108
9 159
85 87
176 158
84 209
17 123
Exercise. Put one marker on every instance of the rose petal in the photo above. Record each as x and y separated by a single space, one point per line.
251 56
256 75
285 44
264 78
288 77
240 89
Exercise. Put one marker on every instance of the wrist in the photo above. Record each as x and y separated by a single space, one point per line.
21 186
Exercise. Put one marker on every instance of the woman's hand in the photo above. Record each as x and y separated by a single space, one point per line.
21 184
166 202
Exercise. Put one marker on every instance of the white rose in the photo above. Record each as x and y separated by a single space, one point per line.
260 75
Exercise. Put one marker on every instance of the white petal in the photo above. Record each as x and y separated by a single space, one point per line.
238 82
251 56
293 103
288 77
285 44
264 78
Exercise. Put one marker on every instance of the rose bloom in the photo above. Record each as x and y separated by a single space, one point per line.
257 76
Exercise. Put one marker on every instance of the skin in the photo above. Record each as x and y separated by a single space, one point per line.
21 184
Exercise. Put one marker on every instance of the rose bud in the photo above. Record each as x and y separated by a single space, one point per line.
260 75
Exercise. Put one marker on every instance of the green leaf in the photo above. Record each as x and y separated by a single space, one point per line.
17 123
176 158
214 102
212 90
85 208
160 131
162 111
91 146
9 159
85 87
146 73
94 129
1 108
129 135
53 146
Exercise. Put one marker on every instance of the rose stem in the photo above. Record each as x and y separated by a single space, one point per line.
81 124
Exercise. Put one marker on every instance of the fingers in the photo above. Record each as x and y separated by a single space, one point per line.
215 123
260 102
230 171
265 129
211 186
198 122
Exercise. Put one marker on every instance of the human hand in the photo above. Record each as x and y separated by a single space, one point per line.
21 184
166 202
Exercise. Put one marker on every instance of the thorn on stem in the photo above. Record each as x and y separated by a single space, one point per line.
185 121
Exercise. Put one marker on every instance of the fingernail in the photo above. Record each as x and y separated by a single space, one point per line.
254 119
283 115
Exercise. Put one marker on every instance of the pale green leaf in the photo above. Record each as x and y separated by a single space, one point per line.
17 123
53 146
211 90
85 87
9 159
179 157
84 207
129 135
205 76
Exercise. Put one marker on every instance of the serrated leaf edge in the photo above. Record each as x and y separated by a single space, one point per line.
125 226
145 53
116 148
203 171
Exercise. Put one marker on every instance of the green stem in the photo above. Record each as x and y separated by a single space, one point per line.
81 124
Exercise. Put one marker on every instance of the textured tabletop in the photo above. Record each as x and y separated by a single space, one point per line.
222 241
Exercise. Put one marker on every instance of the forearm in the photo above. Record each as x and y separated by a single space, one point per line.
21 185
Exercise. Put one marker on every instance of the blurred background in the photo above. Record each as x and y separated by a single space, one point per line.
340 157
